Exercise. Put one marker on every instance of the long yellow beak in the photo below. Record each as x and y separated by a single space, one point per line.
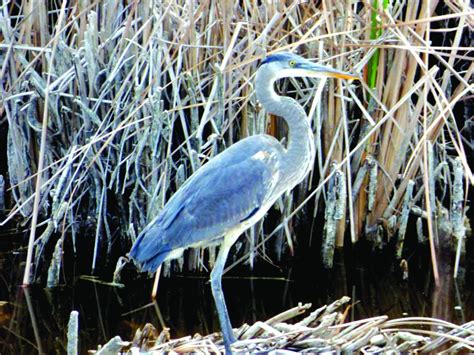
312 70
323 70
341 75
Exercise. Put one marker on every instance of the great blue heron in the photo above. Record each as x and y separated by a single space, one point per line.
236 188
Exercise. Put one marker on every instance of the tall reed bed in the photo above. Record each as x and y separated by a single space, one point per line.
108 106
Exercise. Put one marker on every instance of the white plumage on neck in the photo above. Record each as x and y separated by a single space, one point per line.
300 151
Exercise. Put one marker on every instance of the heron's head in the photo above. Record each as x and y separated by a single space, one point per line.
285 64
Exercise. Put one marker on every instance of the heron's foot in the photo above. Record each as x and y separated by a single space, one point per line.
229 339
228 350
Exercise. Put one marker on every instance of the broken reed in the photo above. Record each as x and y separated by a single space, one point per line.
326 329
111 105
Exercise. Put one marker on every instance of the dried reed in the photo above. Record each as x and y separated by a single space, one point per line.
323 330
111 104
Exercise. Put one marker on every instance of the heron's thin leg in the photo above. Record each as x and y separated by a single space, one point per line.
216 286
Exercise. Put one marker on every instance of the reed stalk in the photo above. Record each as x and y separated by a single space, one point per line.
73 333
42 149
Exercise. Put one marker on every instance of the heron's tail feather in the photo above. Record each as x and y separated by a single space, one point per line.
149 251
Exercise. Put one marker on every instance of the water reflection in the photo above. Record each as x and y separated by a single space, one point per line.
35 319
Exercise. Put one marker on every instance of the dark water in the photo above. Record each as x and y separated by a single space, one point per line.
35 319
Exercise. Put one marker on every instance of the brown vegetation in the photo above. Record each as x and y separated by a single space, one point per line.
109 106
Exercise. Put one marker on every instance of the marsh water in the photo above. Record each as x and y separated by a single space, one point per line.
35 319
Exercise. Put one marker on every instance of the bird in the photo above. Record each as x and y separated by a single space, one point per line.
235 189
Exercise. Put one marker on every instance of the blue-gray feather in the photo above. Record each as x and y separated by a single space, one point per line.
224 193
280 57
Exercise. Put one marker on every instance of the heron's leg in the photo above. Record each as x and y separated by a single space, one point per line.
216 286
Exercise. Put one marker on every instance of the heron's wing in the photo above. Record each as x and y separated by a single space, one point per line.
219 197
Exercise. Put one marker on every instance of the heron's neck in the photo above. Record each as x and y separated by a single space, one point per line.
299 156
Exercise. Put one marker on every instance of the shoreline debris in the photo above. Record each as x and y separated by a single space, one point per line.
323 330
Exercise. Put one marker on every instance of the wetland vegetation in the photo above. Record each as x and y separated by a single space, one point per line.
108 106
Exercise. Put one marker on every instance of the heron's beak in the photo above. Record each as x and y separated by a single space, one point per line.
319 71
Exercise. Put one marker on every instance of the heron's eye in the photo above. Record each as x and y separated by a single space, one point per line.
292 63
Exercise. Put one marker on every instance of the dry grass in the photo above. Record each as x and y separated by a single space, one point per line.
323 330
110 105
